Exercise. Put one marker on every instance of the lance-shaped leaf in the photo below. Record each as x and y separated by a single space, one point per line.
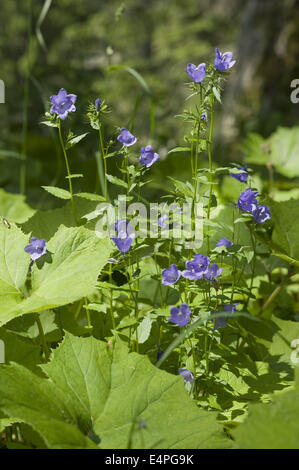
117 398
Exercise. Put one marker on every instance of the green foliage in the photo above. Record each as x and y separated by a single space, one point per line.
74 259
94 390
271 426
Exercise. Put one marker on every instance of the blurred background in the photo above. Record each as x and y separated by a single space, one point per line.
94 49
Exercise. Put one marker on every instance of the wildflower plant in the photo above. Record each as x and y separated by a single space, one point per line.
182 309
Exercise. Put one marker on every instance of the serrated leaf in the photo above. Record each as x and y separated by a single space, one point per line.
216 93
57 192
103 390
116 181
75 140
91 196
67 272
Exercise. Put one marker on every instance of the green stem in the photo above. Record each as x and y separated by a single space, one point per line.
87 313
68 171
25 104
211 178
100 166
42 336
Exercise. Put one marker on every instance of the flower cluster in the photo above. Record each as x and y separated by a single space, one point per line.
222 63
248 203
197 268
200 267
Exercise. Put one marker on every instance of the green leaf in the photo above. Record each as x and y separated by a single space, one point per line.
20 350
14 208
179 149
183 188
58 192
144 330
75 140
50 123
271 426
216 93
65 274
116 181
91 196
286 226
103 391
284 151
45 223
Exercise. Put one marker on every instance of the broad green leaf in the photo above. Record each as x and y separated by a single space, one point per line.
58 192
14 208
284 151
66 273
20 350
102 390
44 224
273 425
281 148
14 263
286 226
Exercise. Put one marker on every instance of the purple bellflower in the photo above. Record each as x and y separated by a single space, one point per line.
63 103
126 138
197 267
162 221
213 272
125 235
181 315
224 242
36 248
261 213
170 275
197 74
243 176
98 103
148 156
203 116
247 200
188 376
220 322
224 61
